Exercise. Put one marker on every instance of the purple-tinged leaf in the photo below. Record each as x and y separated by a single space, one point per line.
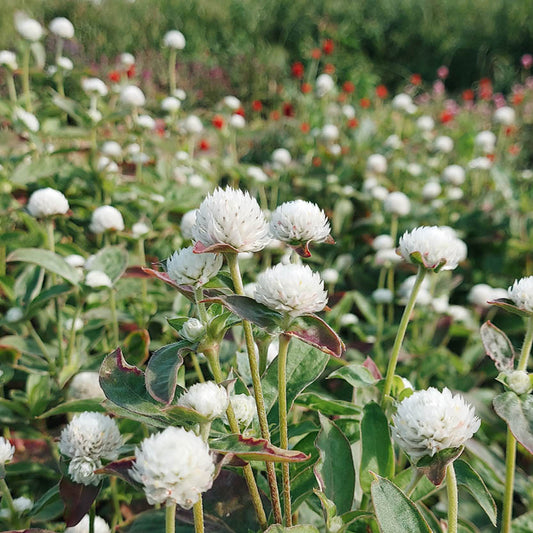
508 305
317 333
161 376
434 468
497 346
372 367
136 347
122 469
518 413
78 499
219 247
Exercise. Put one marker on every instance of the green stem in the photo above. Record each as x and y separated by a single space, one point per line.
258 390
202 312
526 347
401 333
453 502
117 515
72 333
197 368
283 427
11 87
172 70
170 518
198 512
92 516
26 78
6 495
114 317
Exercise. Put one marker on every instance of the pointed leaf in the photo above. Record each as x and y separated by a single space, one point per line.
470 479
78 499
518 413
122 469
509 306
48 260
317 333
327 406
377 454
48 294
369 364
335 471
434 468
220 247
75 406
252 449
394 510
163 276
248 309
162 371
355 374
497 346
136 347
112 260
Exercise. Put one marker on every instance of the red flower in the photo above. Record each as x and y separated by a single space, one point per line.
329 68
348 87
416 79
297 70
518 98
131 71
275 115
365 103
446 116
304 127
316 53
288 109
514 149
491 157
239 111
218 122
485 89
114 76
257 105
468 95
306 88
317 161
382 92
204 144
353 123
328 46
160 127
509 130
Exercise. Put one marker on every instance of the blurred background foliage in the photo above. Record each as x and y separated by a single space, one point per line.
244 46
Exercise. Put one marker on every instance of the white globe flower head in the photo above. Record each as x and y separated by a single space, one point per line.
485 141
146 122
187 268
330 133
174 39
376 164
455 193
91 435
402 102
459 313
482 163
180 94
47 202
443 144
187 222
521 293
454 174
230 220
14 314
75 260
330 275
281 158
94 115
300 222
29 120
232 102
111 149
349 319
505 116
127 59
431 190
193 125
208 399
192 330
291 289
379 193
244 408
429 421
382 296
62 27
170 104
85 385
82 470
131 95
106 218
387 257
324 84
97 279
481 294
8 59
335 150
348 111
434 247
65 63
76 324
519 382
383 242
22 504
397 203
175 466
237 121
7 450
257 174
425 123
94 86
393 141
414 169
27 27
140 229
100 526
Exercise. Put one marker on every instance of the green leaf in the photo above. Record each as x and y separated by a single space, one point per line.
276 528
252 449
518 413
48 260
394 510
75 406
45 296
305 364
355 374
112 260
31 171
377 454
335 458
509 306
327 406
523 524
497 346
48 506
470 479
317 333
136 347
434 468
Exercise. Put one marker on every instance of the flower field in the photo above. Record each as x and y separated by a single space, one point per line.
305 312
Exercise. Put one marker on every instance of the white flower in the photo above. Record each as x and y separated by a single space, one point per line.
397 203
22 504
330 133
65 63
257 174
47 202
107 165
62 27
438 247
193 329
170 104
281 157
393 141
91 435
77 324
140 229
146 121
193 124
7 450
431 190
425 123
324 84
244 409
414 169
81 470
402 102
480 294
188 220
299 221
485 141
232 102
131 95
28 28
458 313
97 278
208 399
521 293
455 193
482 163
429 421
383 242
335 150
348 111
454 174
106 218
111 149
519 381
505 115
382 296
387 257
237 121
127 59
330 275
94 115
292 289
376 164
187 268
85 385
174 39
94 86
349 319
8 59
174 466
100 526
14 315
75 260
28 119
443 144
180 94
231 217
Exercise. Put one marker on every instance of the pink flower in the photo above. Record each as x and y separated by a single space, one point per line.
527 61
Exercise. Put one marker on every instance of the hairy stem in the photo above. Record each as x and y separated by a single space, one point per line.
453 502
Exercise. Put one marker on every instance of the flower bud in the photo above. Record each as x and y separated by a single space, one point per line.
519 382
192 330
